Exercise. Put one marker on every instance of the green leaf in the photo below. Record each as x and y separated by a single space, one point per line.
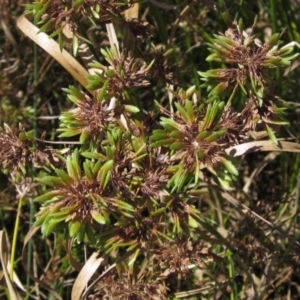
53 181
230 167
77 3
64 176
202 135
284 51
55 33
131 108
75 45
99 201
158 131
110 151
38 13
159 136
214 57
93 155
70 168
190 110
30 135
158 211
96 167
192 222
75 162
176 134
134 257
74 228
49 227
61 40
84 136
48 26
47 196
213 114
196 171
104 173
215 136
168 238
110 73
170 124
271 134
124 205
39 221
95 84
140 157
60 215
177 146
88 171
211 74
179 179
183 113
206 122
200 154
98 217
164 143
97 65
276 122
102 92
274 39
132 246
219 89
95 13
190 91
73 91
68 132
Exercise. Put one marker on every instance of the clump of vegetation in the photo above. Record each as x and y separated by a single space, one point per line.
140 172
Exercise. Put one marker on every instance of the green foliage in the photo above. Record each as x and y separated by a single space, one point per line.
145 182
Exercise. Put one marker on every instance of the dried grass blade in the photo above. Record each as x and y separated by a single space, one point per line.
52 48
85 275
4 259
112 36
258 146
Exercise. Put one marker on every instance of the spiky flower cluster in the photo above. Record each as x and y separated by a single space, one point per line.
249 62
78 199
13 151
196 138
110 86
88 119
54 14
250 71
18 148
120 287
122 74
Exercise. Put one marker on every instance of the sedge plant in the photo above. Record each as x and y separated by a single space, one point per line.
127 182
